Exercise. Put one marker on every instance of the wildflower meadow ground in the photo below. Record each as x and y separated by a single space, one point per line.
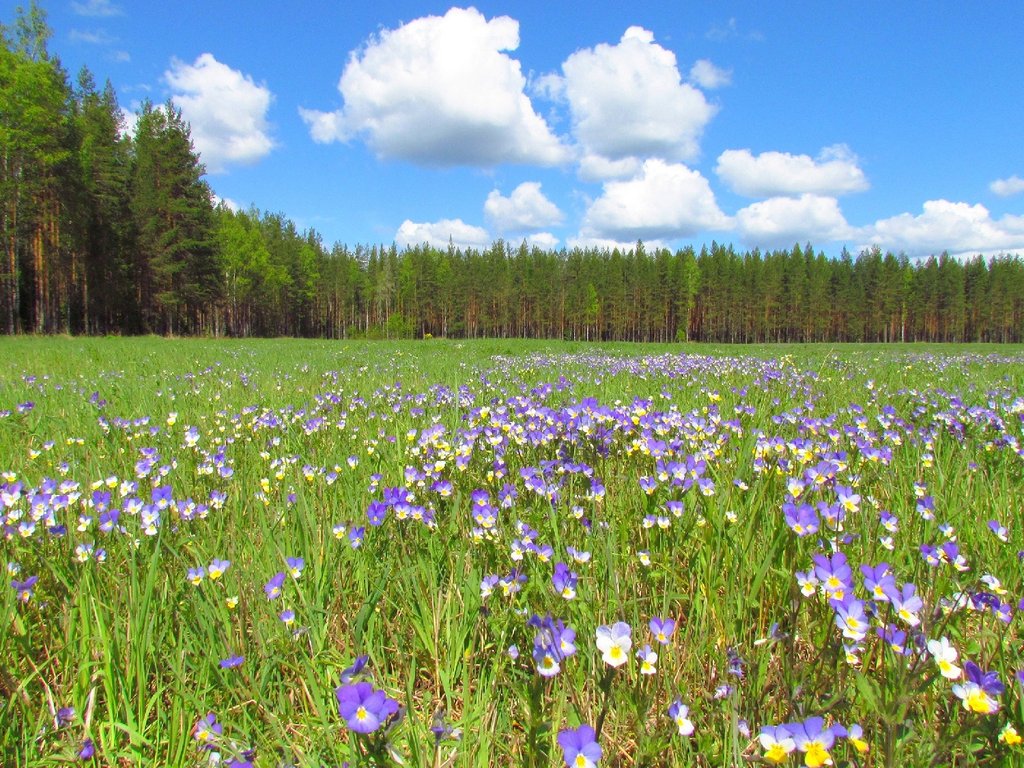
310 553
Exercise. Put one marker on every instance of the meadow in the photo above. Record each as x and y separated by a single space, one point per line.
438 553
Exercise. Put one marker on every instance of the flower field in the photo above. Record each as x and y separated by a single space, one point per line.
304 553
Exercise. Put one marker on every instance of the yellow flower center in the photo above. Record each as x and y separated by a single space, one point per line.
817 755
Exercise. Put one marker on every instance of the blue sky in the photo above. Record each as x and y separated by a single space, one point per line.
565 123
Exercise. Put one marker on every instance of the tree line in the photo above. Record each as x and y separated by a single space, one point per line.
110 231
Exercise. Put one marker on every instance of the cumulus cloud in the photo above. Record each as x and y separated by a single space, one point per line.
834 172
95 8
527 209
708 76
956 227
597 168
543 240
441 91
440 233
666 200
1014 185
226 109
629 101
227 202
782 221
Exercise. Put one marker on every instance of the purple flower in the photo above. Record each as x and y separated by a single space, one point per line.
207 729
579 747
801 518
87 750
363 708
273 587
231 662
351 673
680 714
564 581
877 579
295 566
376 512
662 629
24 589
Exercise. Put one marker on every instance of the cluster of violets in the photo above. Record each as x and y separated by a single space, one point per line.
517 448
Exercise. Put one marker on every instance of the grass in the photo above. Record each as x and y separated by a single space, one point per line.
259 451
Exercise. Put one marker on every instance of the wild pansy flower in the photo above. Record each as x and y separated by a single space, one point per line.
950 553
814 740
644 556
647 658
552 643
801 518
364 708
564 581
930 555
207 730
273 587
877 579
196 575
834 574
680 714
614 643
979 690
349 674
232 662
777 743
578 556
808 582
355 537
487 585
945 656
231 602
895 638
999 530
287 616
579 747
1008 735
850 618
855 736
662 629
295 566
24 589
906 603
217 568
736 664
87 751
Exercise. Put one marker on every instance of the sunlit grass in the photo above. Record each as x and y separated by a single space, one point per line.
482 467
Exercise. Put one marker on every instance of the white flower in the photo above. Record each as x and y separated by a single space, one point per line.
945 656
614 643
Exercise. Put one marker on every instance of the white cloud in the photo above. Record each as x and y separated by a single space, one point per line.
667 200
227 202
226 109
99 37
708 76
1007 187
527 209
129 119
959 228
629 101
834 172
597 168
440 233
440 91
782 221
95 8
543 240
